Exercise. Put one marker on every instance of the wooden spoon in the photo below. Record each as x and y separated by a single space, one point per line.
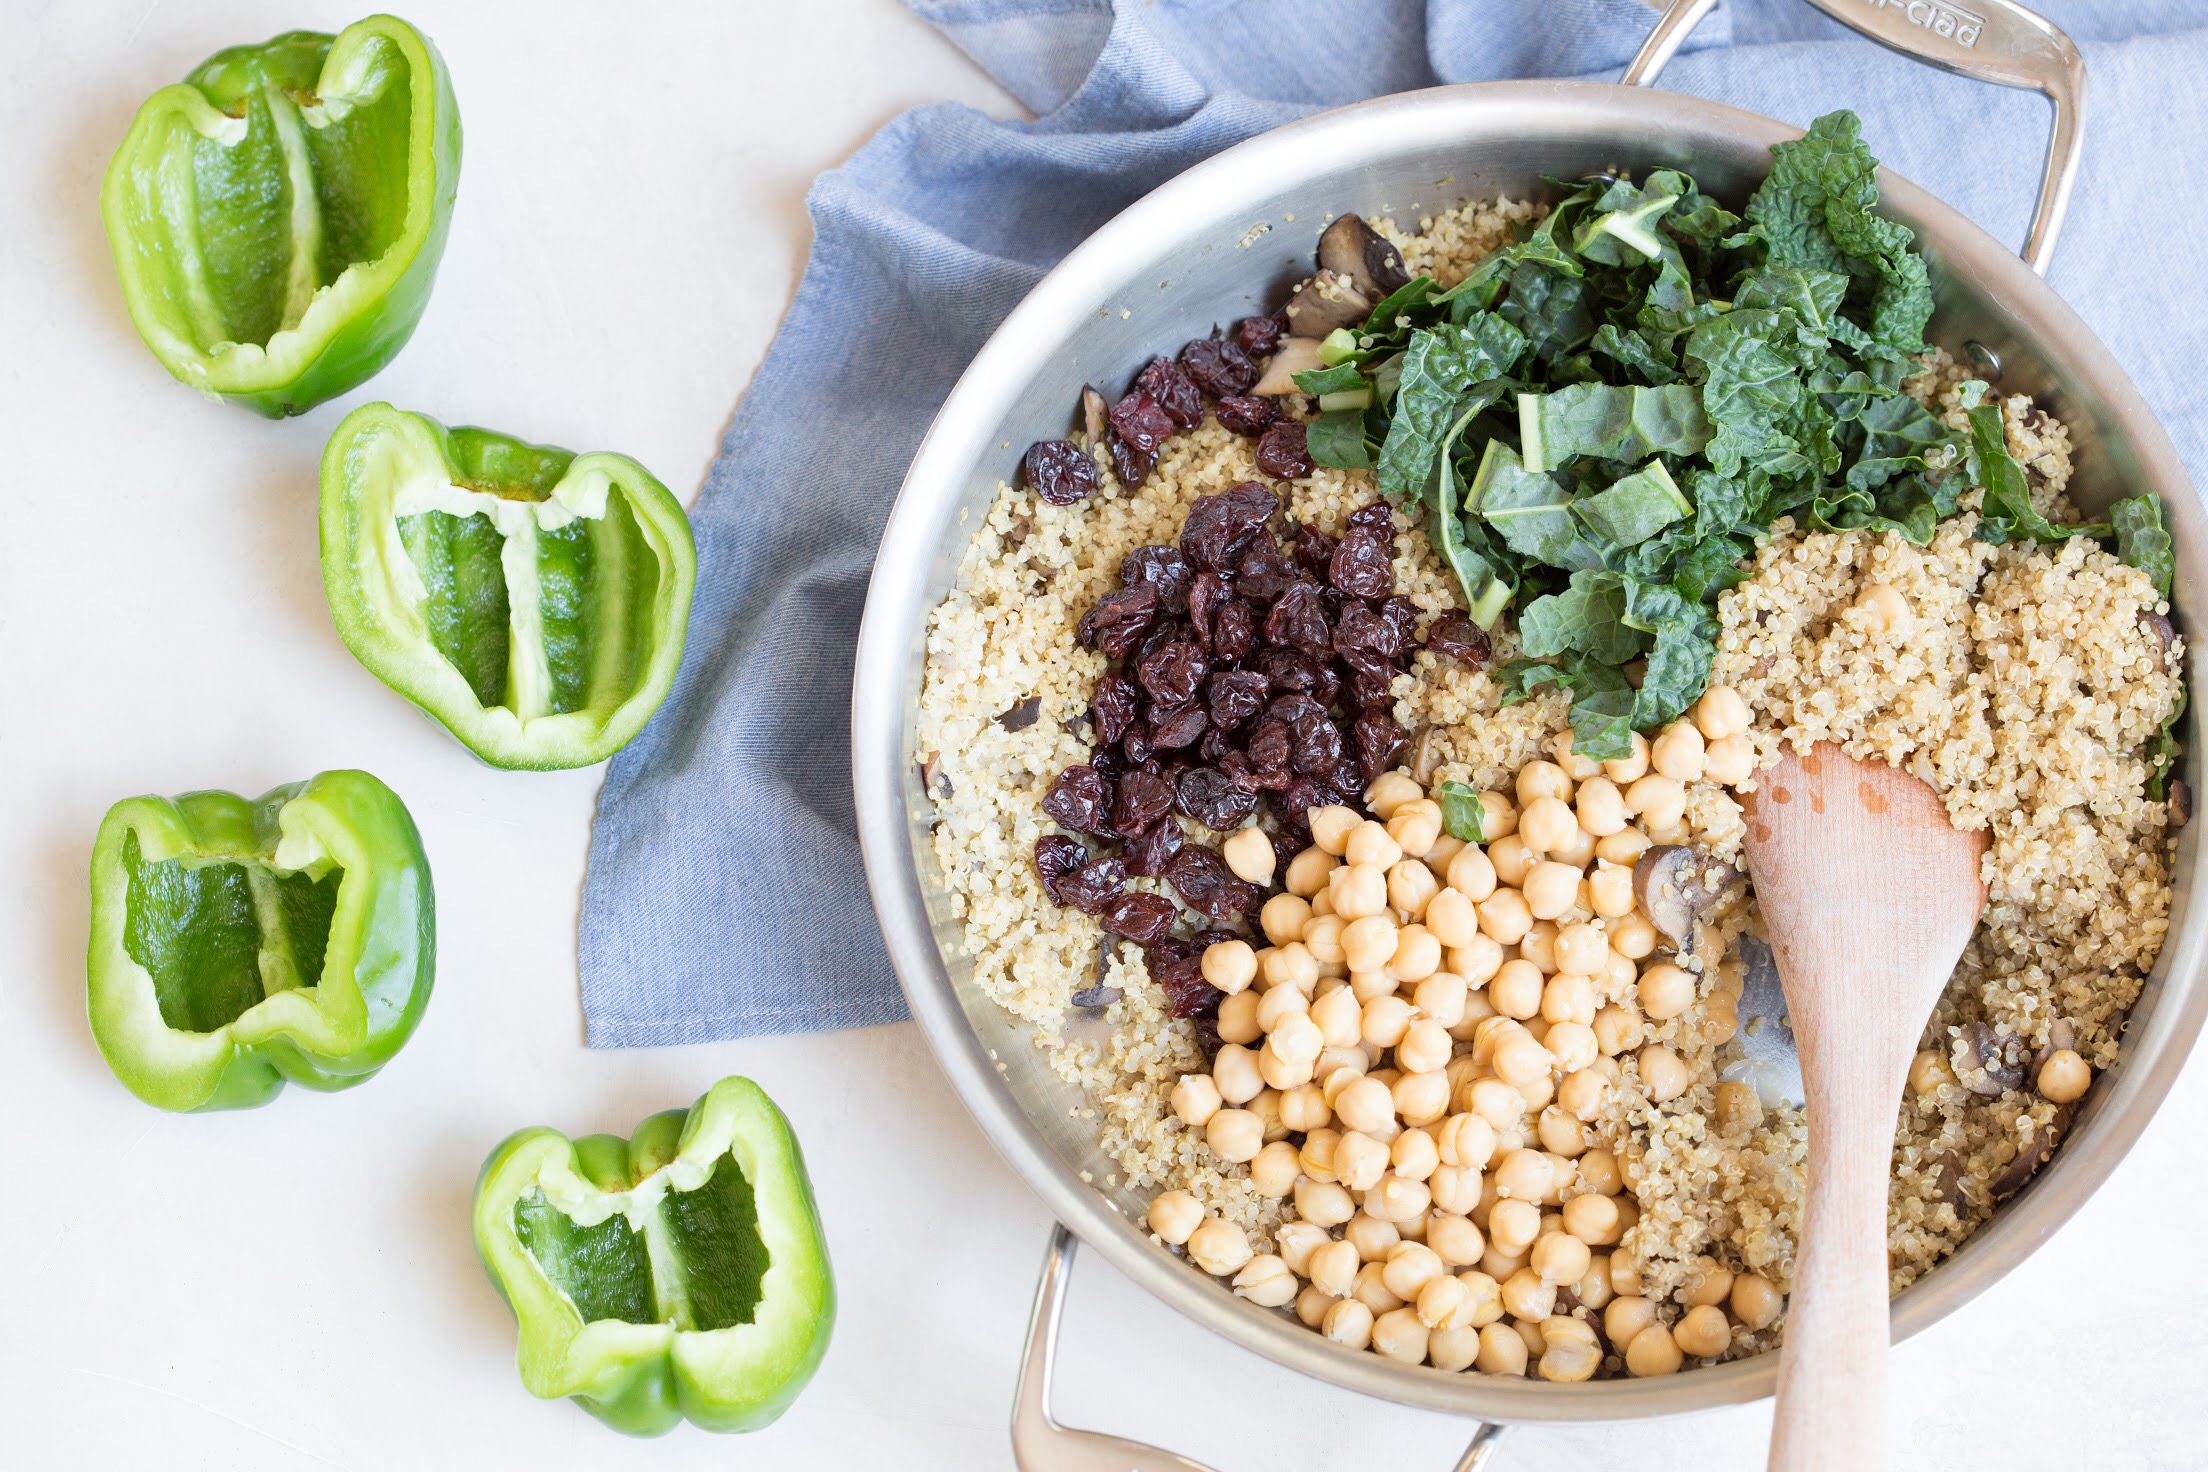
1868 896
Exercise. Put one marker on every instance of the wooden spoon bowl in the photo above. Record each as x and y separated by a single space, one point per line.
1868 895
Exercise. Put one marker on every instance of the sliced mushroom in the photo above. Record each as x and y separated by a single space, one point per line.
1947 1180
1099 993
1295 355
1323 303
1095 415
1352 249
1022 714
1994 1065
1425 756
2035 1153
928 765
2181 803
1675 883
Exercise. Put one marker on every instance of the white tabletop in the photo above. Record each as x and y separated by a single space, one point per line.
295 1287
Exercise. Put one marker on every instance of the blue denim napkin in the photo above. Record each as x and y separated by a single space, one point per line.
725 896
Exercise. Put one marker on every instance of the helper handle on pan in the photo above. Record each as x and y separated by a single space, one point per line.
1040 1444
1991 40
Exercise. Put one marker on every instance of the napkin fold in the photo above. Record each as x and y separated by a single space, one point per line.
725 895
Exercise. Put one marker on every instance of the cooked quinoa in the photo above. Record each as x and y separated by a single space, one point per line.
2023 682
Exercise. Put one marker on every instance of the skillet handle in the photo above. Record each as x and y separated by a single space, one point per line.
1040 1444
1995 41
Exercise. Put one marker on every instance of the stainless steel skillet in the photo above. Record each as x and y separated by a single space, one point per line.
1103 311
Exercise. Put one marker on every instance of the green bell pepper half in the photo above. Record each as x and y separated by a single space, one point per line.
277 217
681 1273
238 944
531 599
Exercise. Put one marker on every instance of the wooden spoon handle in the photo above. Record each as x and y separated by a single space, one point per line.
1831 1410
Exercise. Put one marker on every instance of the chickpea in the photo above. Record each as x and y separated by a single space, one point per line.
1472 873
1571 1045
1219 1247
1295 1242
1601 808
1568 997
1369 843
1308 871
2064 1077
1312 1304
1416 827
1453 1350
1230 965
1466 1140
1372 1289
1442 997
1617 1030
1453 1236
1633 765
1929 1072
1756 1303
1516 989
1502 1351
1425 1047
1235 1134
1652 1352
1702 1332
1707 1285
1331 827
1884 610
1570 1351
1582 950
1234 1073
1577 850
1623 848
1173 1215
1599 1173
1678 753
1412 887
1195 1099
1625 1272
1417 954
1322 903
1348 1323
1369 944
1513 1225
1665 991
1731 761
1721 713
1281 1001
1626 1316
1340 1020
1720 1018
1545 824
1632 936
1512 859
1389 791
1364 1104
1283 918
1559 1258
1499 1264
1303 1108
1524 1175
1477 960
1610 893
1550 889
1664 1076
1385 1021
1324 1203
1578 768
1414 1155
1249 853
1593 1219
1496 1102
1538 945
1360 1161
1498 816
1527 1295
1421 1098
1657 800
1374 1238
1266 1281
1562 1134
1504 917
1521 1060
1539 779
1583 1092
1450 916
1409 1267
1737 1107
1401 1336
1274 1170
1357 891
1368 986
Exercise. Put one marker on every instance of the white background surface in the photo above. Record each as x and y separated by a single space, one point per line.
295 1287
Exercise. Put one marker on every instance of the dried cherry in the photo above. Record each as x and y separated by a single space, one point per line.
1113 709
1081 799
1059 471
1143 918
1246 415
1219 527
1235 695
1173 727
1362 565
1119 620
1173 673
1056 856
1173 390
1204 882
1282 453
1298 622
1457 637
1214 799
1218 367
1259 336
1142 800
1162 568
1094 885
1149 853
1380 741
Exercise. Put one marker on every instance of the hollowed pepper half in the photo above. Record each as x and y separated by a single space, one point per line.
531 599
238 944
277 217
681 1273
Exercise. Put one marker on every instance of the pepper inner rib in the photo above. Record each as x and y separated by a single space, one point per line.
219 936
540 619
699 1263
